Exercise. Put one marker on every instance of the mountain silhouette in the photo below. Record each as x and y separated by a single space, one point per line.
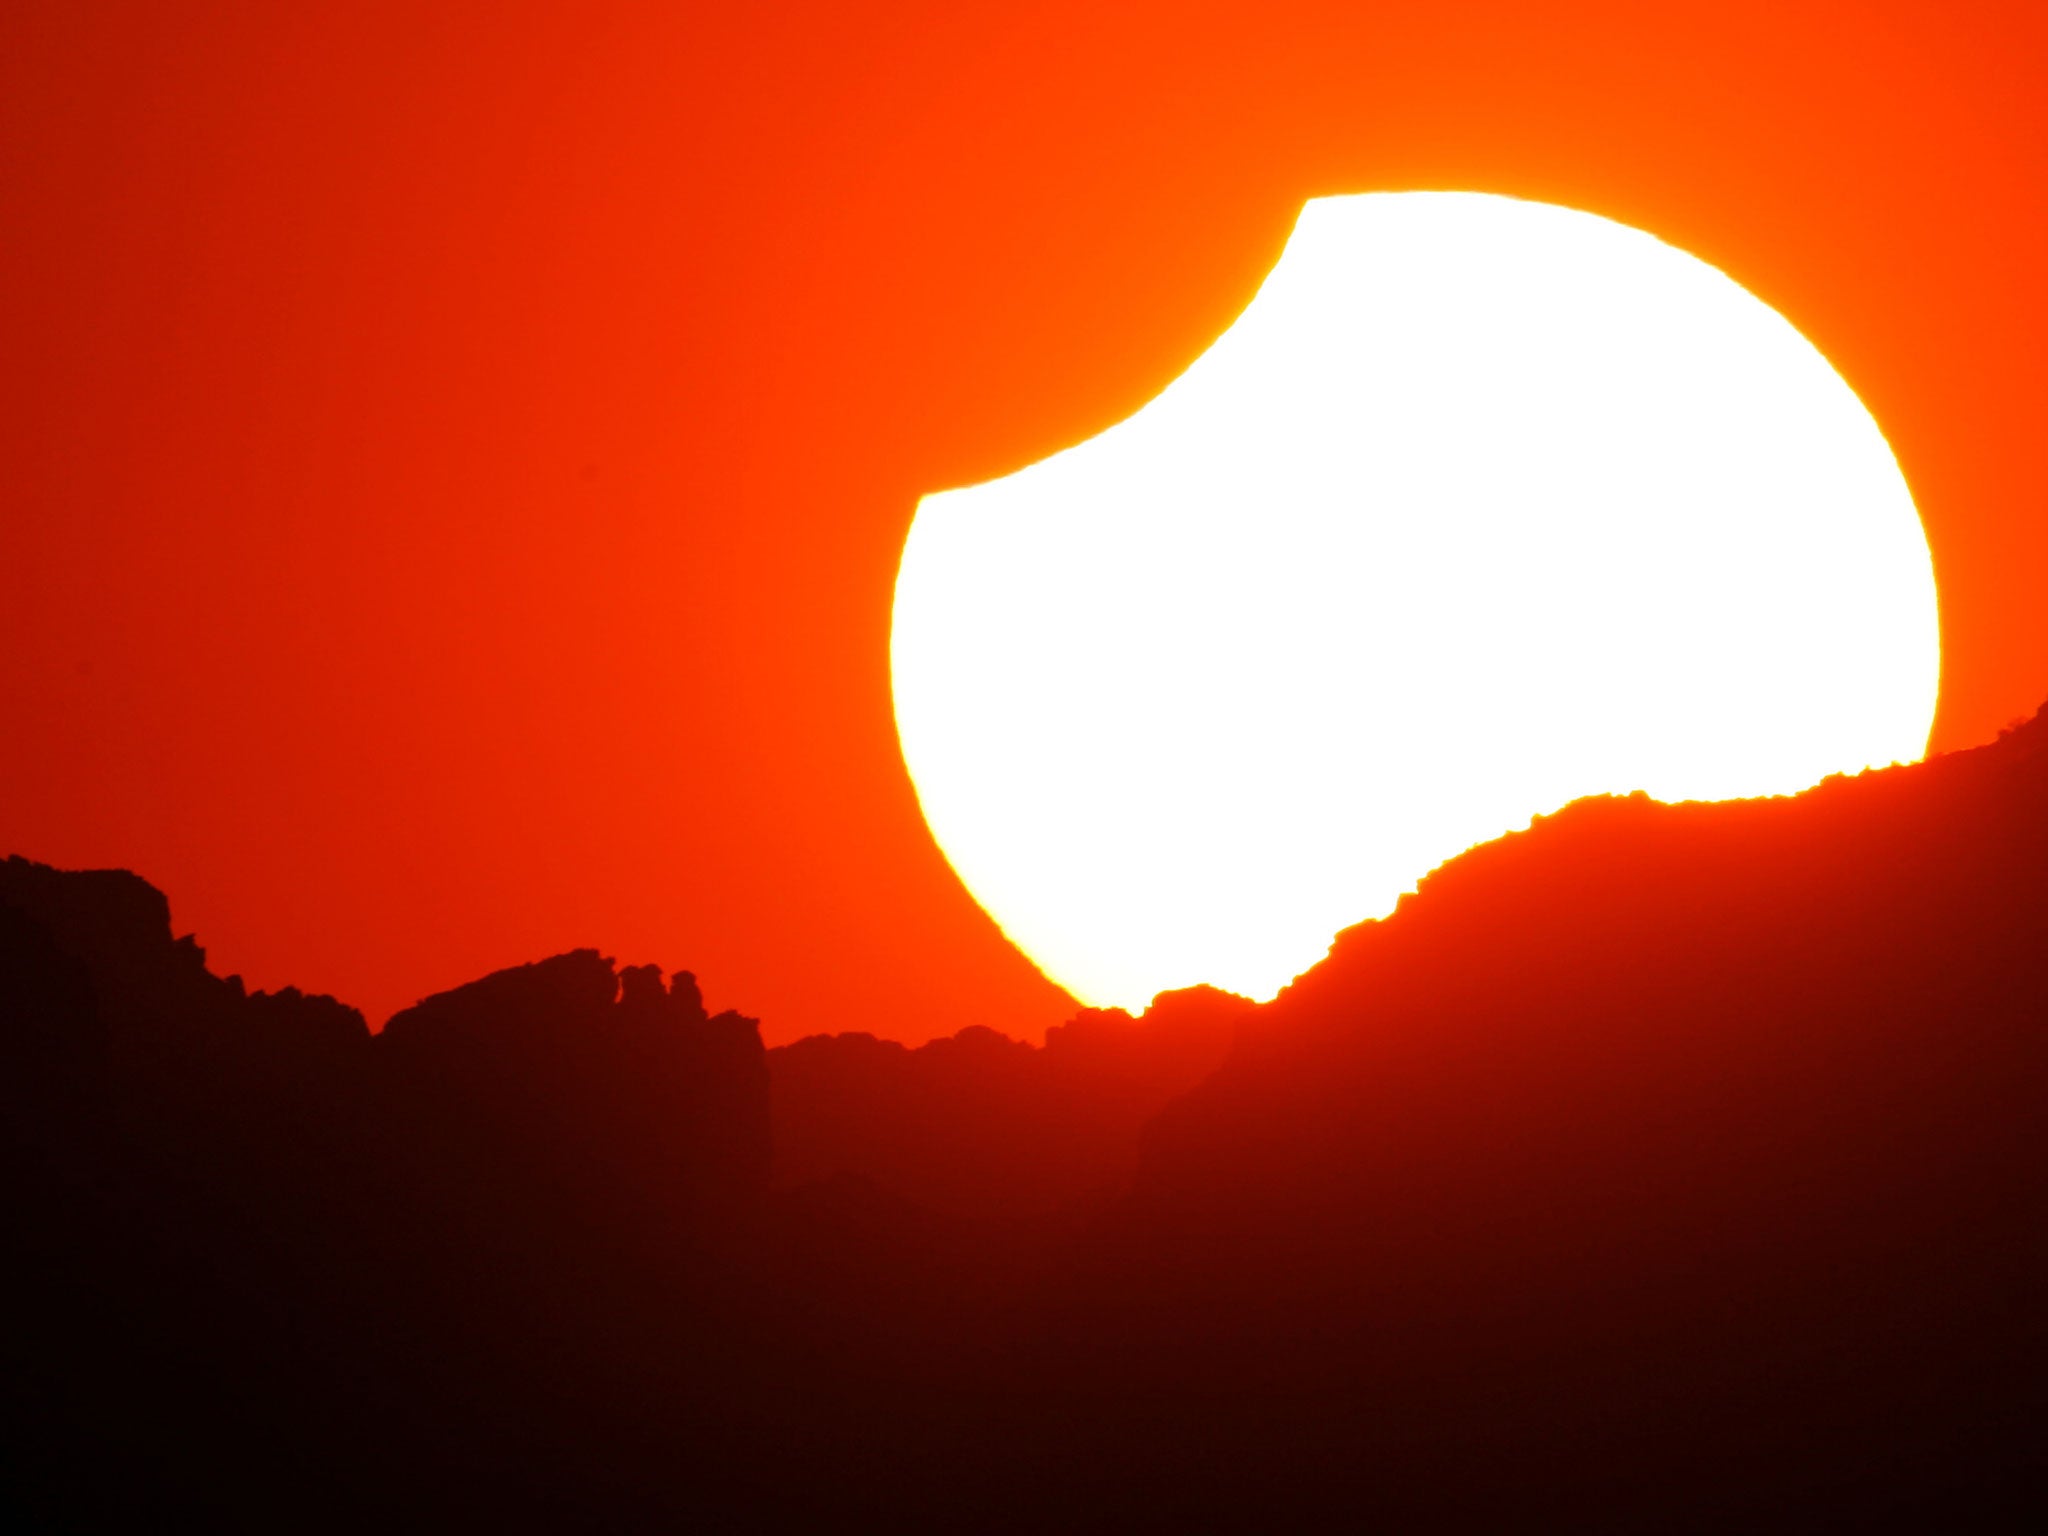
1662 1166
981 1126
1684 1160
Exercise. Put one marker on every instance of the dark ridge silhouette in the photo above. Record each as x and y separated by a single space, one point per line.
983 1127
1688 1160
272 1272
1661 1167
650 1092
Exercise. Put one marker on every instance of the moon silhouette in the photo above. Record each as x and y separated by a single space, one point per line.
1482 505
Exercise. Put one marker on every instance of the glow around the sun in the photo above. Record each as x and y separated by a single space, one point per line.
1481 506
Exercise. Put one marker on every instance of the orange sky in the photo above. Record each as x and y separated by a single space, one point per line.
453 459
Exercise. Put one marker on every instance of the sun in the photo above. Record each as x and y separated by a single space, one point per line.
1482 505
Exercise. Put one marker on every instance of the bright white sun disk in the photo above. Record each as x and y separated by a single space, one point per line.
1482 505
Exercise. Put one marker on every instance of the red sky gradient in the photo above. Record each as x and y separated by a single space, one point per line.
453 459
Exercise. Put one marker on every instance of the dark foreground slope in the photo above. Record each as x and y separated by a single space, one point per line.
1679 1160
1661 1167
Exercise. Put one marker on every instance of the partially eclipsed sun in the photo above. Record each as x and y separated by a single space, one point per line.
1482 505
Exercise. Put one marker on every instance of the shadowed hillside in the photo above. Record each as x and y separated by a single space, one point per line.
1689 1159
1659 1167
984 1127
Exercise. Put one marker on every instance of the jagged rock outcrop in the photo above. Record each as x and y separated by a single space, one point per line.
132 986
570 1052
251 1237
